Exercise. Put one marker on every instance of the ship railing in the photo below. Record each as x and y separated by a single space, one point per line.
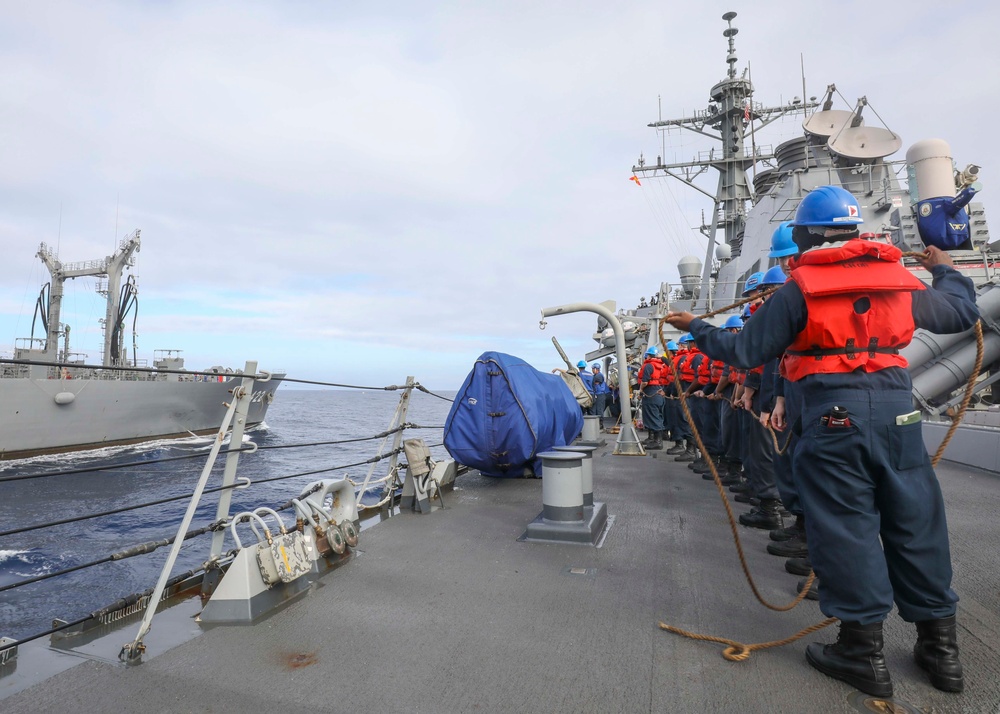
385 490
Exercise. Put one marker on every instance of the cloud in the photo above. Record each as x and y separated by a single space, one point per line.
330 187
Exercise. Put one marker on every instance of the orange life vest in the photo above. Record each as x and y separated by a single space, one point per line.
859 310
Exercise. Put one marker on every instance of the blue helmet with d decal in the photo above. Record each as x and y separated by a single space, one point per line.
828 206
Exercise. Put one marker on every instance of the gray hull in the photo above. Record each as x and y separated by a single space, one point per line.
99 413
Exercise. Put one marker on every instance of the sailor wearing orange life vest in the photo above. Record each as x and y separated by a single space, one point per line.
652 379
874 512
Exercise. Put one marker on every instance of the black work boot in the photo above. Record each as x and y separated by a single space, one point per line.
766 516
791 548
798 566
677 448
657 441
743 486
689 454
792 531
813 593
856 658
936 652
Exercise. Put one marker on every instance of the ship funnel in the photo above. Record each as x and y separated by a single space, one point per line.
689 268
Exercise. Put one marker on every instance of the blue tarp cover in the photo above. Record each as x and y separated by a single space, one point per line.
506 413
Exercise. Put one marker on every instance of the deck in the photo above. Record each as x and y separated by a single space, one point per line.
448 612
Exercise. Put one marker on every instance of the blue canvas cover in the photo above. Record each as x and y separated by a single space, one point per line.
506 413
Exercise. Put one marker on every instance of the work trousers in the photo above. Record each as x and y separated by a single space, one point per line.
874 512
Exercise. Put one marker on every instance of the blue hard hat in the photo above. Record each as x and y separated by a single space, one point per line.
752 283
782 244
733 321
672 346
746 312
581 365
828 206
774 276
651 350
685 338
595 366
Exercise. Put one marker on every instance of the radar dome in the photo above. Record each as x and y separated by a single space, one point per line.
723 252
689 268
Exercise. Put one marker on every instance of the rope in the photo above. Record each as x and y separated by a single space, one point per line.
969 388
739 652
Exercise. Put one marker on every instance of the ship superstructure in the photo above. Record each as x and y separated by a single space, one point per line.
759 188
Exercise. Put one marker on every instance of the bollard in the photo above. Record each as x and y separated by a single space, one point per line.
587 472
562 486
564 519
591 434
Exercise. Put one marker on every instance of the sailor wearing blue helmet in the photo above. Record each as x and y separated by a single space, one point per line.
752 284
875 517
733 321
588 382
652 380
672 346
774 276
601 392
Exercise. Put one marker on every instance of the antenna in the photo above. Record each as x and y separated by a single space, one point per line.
117 197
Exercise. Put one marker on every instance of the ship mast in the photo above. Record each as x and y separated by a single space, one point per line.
731 115
109 267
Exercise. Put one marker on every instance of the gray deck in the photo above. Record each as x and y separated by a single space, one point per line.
447 612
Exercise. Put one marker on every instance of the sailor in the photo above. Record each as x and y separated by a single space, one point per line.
652 378
874 512
767 514
789 542
588 382
673 418
730 433
601 391
685 368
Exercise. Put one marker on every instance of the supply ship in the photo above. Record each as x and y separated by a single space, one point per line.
52 400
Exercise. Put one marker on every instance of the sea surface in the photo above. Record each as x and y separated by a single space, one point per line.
296 417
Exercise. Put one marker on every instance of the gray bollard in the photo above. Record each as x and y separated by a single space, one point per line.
591 433
564 519
587 472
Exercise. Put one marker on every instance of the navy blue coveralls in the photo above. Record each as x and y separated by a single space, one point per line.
653 399
869 481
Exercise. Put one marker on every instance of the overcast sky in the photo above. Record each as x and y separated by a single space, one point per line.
354 192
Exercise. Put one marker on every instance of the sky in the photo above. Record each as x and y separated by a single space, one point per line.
357 192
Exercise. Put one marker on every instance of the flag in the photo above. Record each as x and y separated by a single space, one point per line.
746 112
636 179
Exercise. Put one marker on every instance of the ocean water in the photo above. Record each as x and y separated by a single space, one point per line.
295 417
